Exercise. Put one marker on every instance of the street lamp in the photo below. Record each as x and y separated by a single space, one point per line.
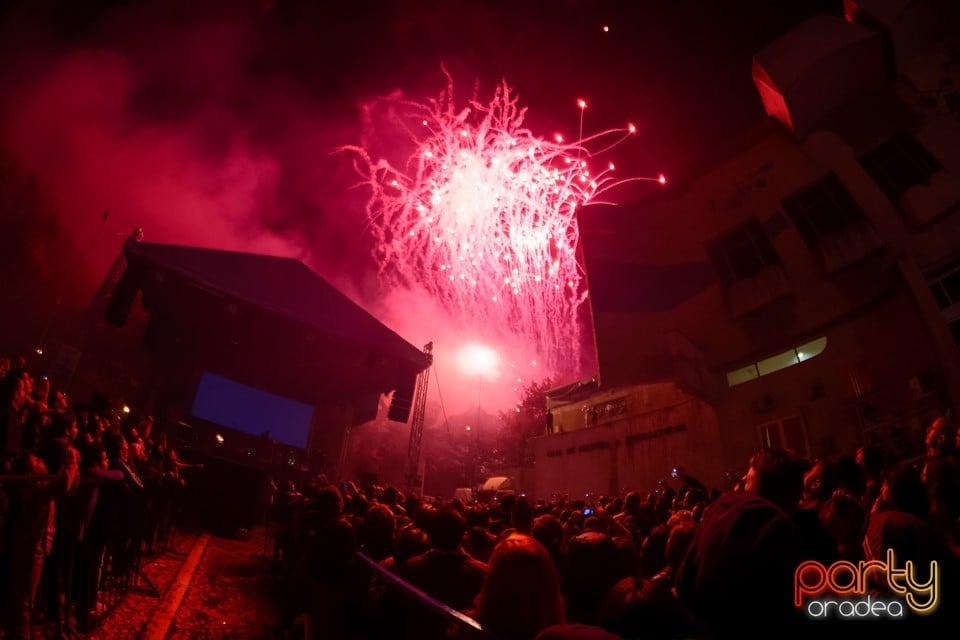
480 360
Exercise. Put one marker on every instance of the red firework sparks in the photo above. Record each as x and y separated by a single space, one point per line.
484 219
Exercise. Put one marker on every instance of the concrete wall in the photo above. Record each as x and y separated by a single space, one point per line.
632 452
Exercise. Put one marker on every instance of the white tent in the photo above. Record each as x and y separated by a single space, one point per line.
496 483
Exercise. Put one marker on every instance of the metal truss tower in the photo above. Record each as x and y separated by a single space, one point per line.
414 474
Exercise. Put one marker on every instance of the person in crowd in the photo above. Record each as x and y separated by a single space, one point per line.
941 476
745 550
846 520
288 501
642 608
631 505
411 542
653 550
36 422
593 566
829 475
87 523
870 459
376 533
521 595
330 584
913 539
122 506
678 543
58 567
479 541
548 531
521 517
903 490
777 475
447 572
394 499
28 534
13 394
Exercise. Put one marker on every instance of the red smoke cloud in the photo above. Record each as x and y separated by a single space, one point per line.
179 130
215 128
173 137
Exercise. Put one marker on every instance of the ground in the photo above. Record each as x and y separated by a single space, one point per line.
207 587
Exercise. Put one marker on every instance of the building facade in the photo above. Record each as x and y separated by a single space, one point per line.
804 291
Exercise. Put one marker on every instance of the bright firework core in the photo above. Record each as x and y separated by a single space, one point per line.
478 360
483 218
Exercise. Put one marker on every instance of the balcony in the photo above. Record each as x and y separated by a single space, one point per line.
855 241
750 294
922 203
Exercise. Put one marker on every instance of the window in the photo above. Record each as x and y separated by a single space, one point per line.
822 209
898 164
775 363
785 433
778 362
742 253
945 288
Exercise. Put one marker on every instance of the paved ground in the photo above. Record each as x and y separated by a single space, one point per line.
212 588
229 596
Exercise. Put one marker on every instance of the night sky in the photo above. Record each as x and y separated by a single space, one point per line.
211 123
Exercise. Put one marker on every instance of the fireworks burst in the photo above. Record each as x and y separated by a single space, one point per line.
483 217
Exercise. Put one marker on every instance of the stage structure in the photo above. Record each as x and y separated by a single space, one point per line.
268 335
414 476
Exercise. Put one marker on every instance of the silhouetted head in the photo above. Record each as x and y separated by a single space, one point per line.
593 566
12 388
777 475
116 445
521 516
641 608
411 541
903 490
327 504
446 529
940 438
521 595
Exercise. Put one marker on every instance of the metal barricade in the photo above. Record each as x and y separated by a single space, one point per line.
422 615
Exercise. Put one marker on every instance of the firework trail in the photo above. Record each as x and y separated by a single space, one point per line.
483 217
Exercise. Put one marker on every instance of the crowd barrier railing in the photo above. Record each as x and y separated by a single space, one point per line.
465 626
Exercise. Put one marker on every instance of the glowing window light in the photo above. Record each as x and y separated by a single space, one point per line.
778 362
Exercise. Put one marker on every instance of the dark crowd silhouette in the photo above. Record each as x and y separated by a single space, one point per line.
677 561
86 495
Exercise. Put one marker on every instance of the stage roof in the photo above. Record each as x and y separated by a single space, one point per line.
282 285
266 321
